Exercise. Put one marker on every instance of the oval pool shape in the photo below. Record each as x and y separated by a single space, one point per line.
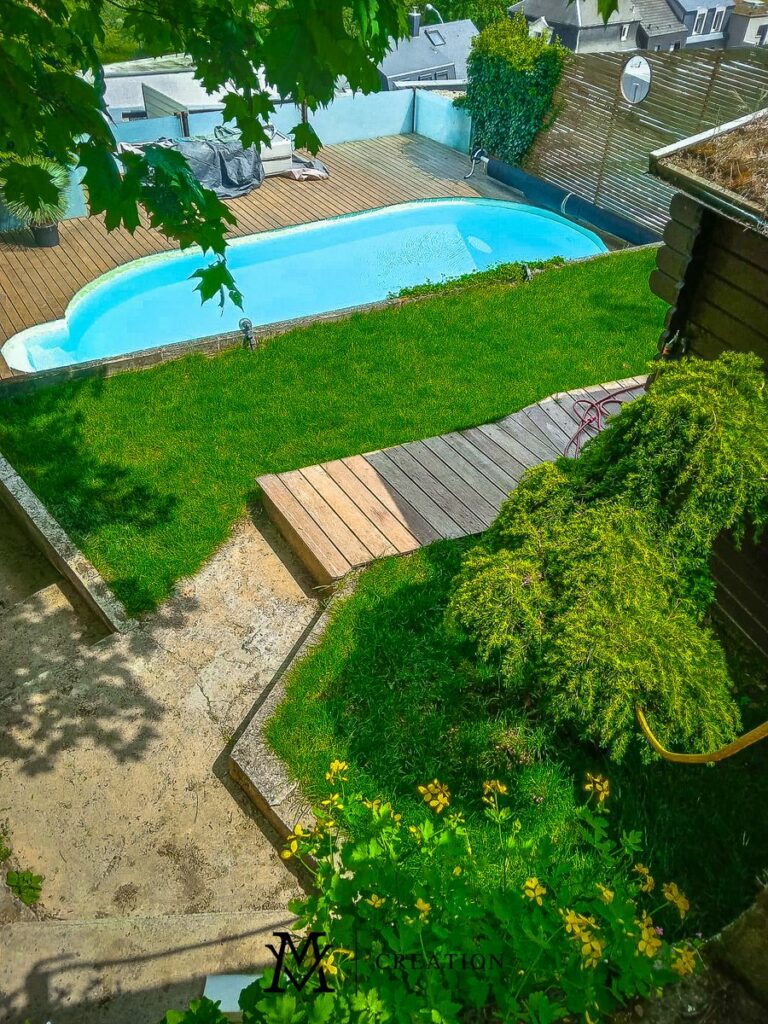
297 272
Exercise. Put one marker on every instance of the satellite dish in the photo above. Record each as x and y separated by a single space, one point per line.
636 80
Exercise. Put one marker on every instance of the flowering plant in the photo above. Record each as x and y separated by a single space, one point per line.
409 935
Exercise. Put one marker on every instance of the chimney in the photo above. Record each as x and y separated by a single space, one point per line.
414 22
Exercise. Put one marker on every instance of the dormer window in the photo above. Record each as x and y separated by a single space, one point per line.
701 17
717 24
624 32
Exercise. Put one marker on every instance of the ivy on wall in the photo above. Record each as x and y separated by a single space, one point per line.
512 82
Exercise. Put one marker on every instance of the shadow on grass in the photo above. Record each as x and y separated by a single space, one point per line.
43 437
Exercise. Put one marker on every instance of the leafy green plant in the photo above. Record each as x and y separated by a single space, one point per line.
590 589
199 1011
409 936
26 886
511 88
48 210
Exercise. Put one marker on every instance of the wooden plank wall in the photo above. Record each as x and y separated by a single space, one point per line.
714 273
598 145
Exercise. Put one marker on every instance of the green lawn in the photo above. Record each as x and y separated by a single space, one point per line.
392 692
148 470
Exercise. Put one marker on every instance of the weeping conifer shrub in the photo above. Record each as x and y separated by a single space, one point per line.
590 592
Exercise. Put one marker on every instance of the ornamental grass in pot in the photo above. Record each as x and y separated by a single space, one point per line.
43 221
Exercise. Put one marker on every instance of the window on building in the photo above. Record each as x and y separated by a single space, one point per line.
762 35
717 23
698 26
676 46
434 36
624 32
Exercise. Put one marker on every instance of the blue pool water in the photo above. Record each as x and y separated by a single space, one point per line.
296 272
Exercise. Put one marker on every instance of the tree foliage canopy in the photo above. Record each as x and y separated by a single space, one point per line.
52 103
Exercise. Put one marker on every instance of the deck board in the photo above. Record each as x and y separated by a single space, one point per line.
37 284
347 513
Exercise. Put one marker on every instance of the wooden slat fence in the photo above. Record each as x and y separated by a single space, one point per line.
598 146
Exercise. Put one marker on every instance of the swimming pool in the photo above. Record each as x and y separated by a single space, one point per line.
296 272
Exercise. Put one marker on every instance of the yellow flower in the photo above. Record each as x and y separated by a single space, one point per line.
333 801
598 785
492 790
416 833
456 871
649 943
676 896
423 908
336 771
648 884
436 794
578 925
534 890
292 843
328 963
606 895
376 901
685 962
592 951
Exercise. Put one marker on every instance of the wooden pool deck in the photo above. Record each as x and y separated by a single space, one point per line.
344 514
36 284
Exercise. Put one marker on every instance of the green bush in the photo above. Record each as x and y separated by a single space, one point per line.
590 590
693 452
583 607
512 82
560 945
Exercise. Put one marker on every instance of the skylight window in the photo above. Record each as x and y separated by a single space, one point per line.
435 36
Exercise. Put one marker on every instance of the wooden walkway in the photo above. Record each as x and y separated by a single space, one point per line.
36 284
344 514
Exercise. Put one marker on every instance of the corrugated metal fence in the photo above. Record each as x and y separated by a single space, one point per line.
599 144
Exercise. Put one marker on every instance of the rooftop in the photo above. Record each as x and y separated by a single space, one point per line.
580 13
725 168
658 18
435 45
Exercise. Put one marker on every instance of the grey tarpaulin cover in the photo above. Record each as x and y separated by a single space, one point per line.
222 165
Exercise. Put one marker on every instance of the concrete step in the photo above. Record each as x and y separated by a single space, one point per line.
115 970
44 630
23 568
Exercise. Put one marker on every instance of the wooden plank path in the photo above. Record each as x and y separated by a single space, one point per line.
36 284
344 514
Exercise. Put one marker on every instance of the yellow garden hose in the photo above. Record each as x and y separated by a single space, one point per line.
754 736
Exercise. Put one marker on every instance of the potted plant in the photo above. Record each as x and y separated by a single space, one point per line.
42 221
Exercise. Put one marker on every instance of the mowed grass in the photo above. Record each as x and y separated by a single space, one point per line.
148 470
394 692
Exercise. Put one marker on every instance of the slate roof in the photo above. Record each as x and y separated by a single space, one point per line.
579 14
658 18
418 53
